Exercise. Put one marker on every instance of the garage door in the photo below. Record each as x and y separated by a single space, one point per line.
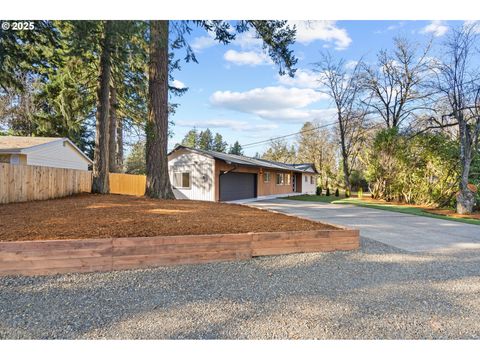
236 186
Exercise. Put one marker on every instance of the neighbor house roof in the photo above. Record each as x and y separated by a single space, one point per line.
23 144
249 161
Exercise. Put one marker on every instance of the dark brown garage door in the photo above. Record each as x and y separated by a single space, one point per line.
236 186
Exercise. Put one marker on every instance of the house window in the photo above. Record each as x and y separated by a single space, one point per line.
306 178
287 179
181 180
266 177
280 179
311 180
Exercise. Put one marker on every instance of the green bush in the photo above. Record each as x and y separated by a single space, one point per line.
319 190
347 193
360 193
421 169
337 193
328 192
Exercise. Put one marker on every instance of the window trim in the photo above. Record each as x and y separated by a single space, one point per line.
282 179
189 179
266 174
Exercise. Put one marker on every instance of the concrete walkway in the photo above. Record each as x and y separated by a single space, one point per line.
407 232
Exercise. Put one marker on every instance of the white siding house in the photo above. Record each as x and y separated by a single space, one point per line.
42 151
191 175
309 184
212 176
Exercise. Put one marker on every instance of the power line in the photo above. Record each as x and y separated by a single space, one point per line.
285 136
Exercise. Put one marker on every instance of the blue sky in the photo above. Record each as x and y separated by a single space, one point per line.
236 90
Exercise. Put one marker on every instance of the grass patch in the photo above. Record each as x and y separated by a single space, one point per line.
405 209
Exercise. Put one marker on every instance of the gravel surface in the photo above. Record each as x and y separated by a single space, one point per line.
376 292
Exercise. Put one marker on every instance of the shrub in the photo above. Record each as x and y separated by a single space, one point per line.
328 192
347 193
360 193
417 170
337 193
319 190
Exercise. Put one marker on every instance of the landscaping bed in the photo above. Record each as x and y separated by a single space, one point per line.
113 232
113 216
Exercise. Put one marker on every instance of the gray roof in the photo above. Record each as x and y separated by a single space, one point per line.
249 161
22 144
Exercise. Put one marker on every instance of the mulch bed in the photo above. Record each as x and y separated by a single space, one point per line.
451 213
104 216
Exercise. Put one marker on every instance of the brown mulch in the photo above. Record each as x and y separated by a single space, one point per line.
103 216
451 213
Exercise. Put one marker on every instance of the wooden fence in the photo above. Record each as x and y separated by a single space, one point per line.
26 182
127 184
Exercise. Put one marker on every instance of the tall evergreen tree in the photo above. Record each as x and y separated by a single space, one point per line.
158 180
236 149
100 182
191 139
218 143
205 141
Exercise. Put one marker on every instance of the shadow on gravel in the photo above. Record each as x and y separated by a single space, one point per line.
376 292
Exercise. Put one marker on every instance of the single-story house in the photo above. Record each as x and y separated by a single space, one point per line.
42 151
213 176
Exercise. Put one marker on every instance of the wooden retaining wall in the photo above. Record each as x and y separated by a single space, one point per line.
63 256
20 183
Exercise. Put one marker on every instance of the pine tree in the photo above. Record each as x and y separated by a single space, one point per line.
236 149
191 139
135 161
100 173
218 143
156 130
205 141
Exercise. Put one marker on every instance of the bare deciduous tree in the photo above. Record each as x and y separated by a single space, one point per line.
315 145
458 83
344 86
397 82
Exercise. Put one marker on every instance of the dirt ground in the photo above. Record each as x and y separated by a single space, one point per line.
103 216
451 213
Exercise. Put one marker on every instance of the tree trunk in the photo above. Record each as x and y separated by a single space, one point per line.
119 147
158 181
101 157
113 130
465 197
346 170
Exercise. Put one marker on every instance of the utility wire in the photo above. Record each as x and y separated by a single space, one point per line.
285 136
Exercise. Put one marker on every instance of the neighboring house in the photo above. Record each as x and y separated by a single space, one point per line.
213 176
42 151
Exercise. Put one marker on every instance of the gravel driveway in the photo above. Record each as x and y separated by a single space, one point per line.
376 292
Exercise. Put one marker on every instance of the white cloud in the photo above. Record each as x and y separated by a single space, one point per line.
326 30
271 103
436 27
203 42
178 84
475 24
234 125
251 58
248 40
302 79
